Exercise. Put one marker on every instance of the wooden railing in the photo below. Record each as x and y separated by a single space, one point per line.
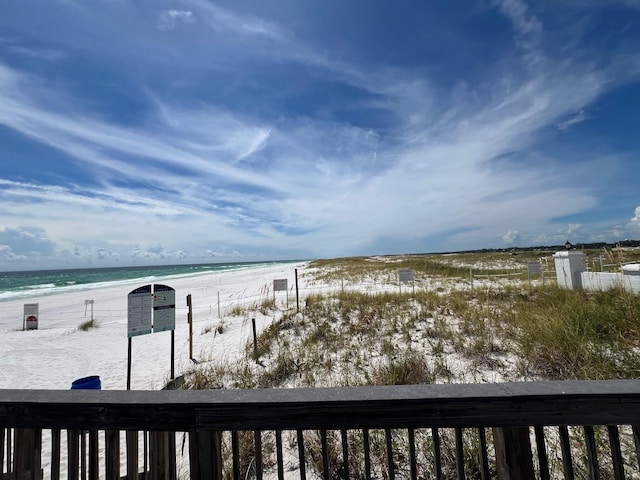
508 431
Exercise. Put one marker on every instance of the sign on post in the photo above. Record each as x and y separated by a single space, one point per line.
405 275
280 285
164 308
534 267
147 312
140 304
30 318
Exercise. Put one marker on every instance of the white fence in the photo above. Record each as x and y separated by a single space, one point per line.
571 271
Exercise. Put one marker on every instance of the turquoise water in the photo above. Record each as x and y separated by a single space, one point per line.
16 285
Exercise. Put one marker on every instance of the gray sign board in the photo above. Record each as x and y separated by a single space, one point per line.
139 311
164 308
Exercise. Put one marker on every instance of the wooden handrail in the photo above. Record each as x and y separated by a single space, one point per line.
612 402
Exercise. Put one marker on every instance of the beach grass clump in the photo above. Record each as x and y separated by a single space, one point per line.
237 311
85 326
567 334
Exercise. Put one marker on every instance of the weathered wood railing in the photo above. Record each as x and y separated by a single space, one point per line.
513 430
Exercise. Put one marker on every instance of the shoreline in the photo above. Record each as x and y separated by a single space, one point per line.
54 286
59 352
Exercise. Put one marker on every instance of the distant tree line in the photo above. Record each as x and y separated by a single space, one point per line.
554 248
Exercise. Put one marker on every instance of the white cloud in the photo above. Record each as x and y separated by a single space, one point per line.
170 19
221 19
512 237
578 117
634 223
527 26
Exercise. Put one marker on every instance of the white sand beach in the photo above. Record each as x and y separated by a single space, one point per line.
58 352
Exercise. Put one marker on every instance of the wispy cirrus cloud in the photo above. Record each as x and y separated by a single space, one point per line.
266 137
170 19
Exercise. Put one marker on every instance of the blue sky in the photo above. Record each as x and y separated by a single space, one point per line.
151 131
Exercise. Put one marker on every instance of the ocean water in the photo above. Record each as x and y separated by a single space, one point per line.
17 285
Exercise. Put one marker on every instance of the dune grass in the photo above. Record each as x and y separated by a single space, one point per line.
498 331
85 326
508 331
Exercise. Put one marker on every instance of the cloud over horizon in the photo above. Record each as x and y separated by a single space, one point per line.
198 130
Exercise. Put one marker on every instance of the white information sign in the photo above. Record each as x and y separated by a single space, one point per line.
164 308
534 267
140 303
280 285
30 319
405 275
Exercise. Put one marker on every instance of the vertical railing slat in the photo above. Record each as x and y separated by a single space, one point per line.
171 445
592 453
390 465
2 435
325 455
616 453
413 463
73 454
484 454
367 454
279 459
145 454
257 441
94 462
301 455
55 454
459 454
345 453
83 456
565 447
235 455
437 455
635 429
542 453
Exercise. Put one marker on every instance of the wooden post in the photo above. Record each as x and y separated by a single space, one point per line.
173 352
297 297
112 454
162 455
190 321
129 366
27 458
205 455
219 316
514 460
255 340
132 455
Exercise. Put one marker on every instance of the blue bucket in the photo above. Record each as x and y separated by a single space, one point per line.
87 383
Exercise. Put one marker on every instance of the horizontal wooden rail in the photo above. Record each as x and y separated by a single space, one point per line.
369 431
411 406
